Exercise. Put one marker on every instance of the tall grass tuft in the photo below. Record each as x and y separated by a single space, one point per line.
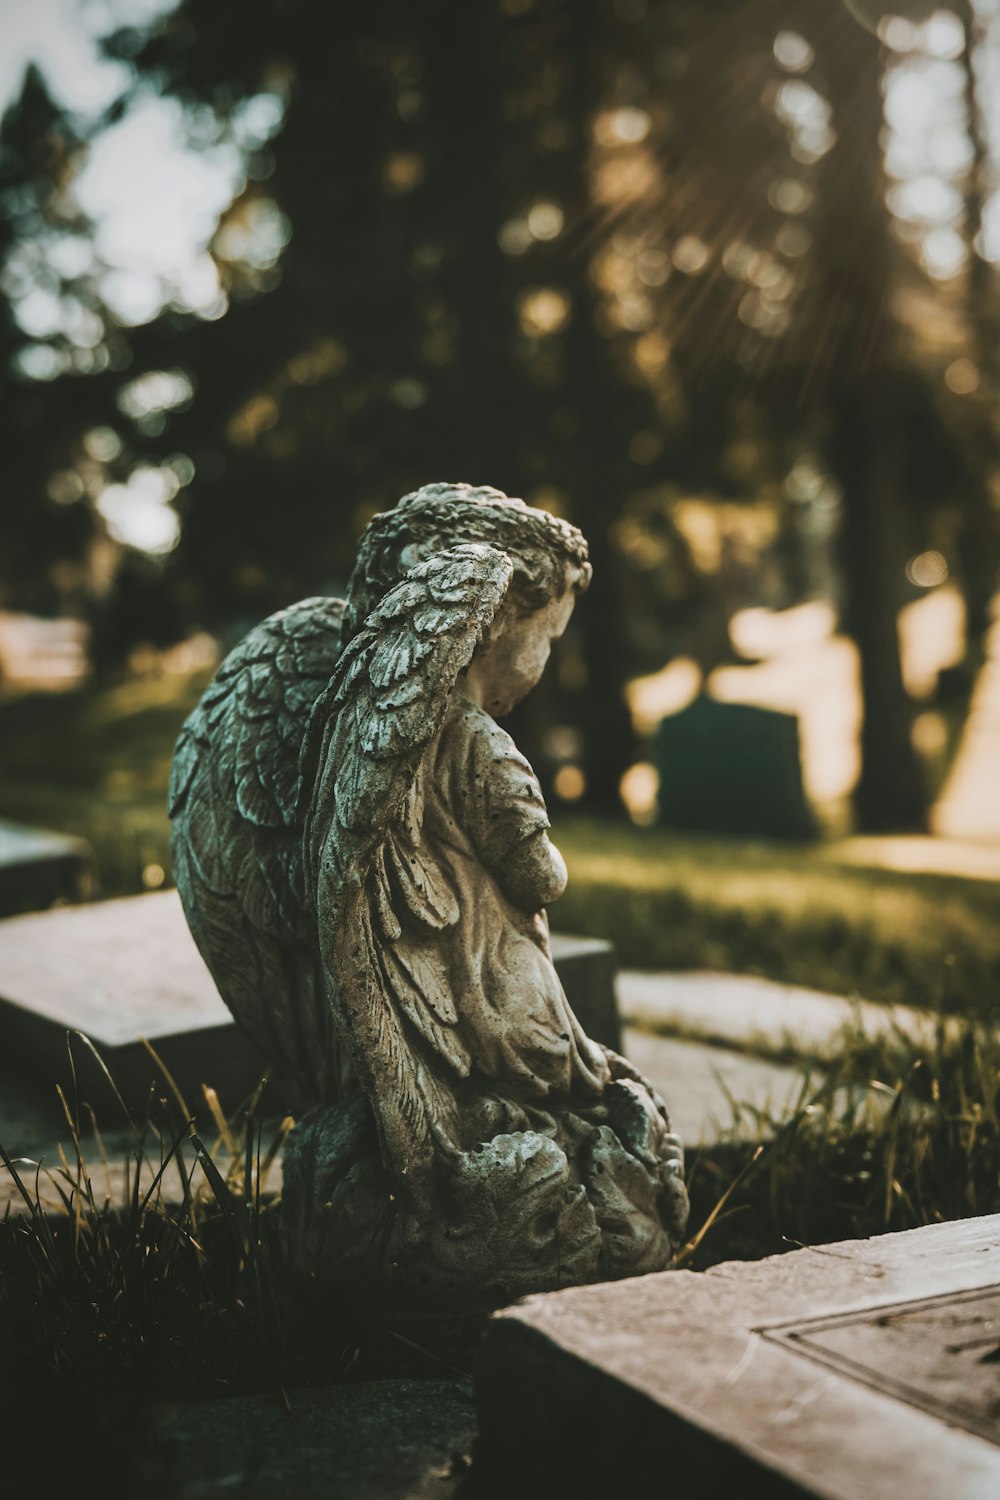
158 1271
892 1134
162 1278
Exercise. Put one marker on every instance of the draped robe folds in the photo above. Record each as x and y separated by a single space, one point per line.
514 1024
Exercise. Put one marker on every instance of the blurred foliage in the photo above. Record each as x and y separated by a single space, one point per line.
634 262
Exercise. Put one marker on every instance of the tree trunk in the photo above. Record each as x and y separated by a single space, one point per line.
853 383
889 793
596 463
978 540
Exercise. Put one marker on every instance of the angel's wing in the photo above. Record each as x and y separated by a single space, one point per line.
373 878
235 806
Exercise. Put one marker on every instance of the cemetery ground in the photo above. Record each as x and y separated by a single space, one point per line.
163 1285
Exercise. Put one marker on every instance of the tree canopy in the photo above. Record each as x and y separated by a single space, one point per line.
701 277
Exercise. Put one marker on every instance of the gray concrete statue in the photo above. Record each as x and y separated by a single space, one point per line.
364 860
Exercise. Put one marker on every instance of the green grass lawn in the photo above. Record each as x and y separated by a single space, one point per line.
95 762
791 913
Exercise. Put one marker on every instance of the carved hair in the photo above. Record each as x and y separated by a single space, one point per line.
549 555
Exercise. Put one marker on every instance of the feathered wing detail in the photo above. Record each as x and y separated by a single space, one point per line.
235 805
373 878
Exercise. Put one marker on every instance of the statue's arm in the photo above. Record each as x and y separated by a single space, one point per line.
506 815
534 873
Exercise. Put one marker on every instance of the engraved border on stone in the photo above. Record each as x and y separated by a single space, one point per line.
796 1337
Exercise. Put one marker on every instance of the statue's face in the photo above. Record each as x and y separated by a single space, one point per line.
512 662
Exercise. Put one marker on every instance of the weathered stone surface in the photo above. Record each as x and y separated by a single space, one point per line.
704 1082
387 1440
363 856
800 1375
939 1354
745 1010
38 867
125 969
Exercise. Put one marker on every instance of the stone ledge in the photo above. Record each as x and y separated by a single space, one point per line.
384 1440
125 969
748 1011
678 1382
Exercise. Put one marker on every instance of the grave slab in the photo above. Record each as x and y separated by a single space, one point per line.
38 867
866 1370
126 969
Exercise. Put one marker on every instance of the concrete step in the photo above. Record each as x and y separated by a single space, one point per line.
701 1083
758 1015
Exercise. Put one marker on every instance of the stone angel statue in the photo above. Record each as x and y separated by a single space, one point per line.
365 862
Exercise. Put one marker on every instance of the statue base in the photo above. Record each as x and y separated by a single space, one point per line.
545 1199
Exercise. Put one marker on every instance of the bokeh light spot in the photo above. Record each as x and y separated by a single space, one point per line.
569 783
543 310
545 221
793 52
927 570
403 172
515 237
102 444
962 377
690 255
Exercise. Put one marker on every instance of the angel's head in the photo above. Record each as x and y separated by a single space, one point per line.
549 555
550 569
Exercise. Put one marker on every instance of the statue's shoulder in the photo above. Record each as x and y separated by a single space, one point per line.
488 783
471 736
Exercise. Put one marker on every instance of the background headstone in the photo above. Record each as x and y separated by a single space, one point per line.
38 868
732 768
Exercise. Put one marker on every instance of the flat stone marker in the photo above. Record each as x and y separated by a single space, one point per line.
859 1371
118 971
122 970
929 1353
38 867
